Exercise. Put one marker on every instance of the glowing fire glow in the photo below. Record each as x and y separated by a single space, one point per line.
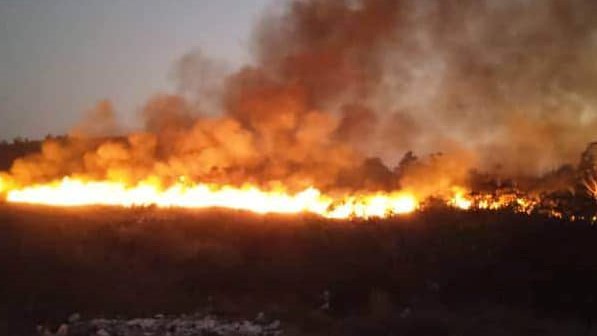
590 184
459 200
69 192
74 192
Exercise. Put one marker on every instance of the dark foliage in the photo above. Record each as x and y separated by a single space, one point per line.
18 148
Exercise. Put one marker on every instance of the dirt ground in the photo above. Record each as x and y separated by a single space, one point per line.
439 272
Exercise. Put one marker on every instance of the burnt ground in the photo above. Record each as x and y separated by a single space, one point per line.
440 272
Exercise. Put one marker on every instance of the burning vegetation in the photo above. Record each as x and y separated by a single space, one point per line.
478 115
337 93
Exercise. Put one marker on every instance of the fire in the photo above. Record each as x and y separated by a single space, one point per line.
77 192
460 200
590 183
380 205
69 192
287 117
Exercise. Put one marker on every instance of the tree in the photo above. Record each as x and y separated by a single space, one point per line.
587 169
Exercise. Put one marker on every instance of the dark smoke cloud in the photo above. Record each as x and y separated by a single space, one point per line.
509 81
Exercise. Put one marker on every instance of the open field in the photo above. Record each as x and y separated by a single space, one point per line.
448 271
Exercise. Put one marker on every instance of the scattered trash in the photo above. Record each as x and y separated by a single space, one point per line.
102 332
160 324
61 331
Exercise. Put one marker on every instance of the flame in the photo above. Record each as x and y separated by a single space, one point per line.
518 203
590 184
71 191
460 200
77 192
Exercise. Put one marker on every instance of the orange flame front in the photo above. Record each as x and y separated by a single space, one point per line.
76 192
69 192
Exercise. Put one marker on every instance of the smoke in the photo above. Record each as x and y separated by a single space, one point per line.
100 121
201 80
340 90
508 81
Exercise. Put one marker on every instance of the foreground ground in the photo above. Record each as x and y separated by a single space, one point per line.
441 272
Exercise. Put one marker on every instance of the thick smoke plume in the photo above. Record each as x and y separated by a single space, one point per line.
502 86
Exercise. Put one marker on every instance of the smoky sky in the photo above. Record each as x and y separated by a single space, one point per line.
510 82
337 91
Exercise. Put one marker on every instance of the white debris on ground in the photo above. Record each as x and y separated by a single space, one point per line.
185 325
